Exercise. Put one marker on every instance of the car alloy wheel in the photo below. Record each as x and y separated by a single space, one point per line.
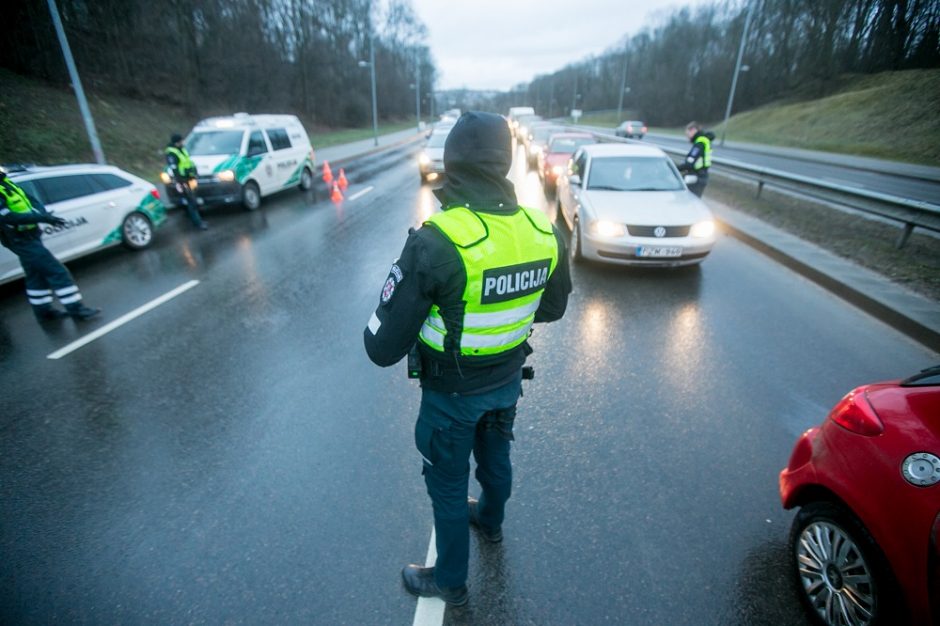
137 231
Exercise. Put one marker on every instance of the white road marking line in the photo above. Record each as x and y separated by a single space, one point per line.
107 328
359 194
430 611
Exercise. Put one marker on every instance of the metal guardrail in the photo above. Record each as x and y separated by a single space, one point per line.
911 213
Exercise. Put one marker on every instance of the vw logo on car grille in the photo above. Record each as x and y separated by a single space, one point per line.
660 231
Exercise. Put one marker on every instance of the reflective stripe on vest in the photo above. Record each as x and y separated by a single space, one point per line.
507 260
704 161
16 201
185 164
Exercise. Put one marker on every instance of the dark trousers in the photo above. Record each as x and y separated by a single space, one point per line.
449 428
188 200
698 188
44 274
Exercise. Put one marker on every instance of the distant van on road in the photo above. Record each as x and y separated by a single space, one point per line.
242 158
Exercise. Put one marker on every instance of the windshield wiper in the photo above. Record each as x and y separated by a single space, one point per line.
604 188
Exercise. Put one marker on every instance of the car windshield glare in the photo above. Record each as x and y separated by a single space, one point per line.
632 174
436 140
215 142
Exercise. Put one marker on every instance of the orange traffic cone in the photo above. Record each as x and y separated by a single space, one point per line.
343 183
327 173
337 195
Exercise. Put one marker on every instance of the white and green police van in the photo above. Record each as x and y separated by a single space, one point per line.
243 158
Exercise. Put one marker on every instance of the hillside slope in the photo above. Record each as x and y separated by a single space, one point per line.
892 115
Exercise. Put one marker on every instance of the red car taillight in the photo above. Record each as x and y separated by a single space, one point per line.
855 413
155 194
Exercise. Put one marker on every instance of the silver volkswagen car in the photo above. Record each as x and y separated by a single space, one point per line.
628 204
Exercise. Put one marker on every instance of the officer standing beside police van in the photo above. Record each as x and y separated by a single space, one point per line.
462 298
182 172
45 276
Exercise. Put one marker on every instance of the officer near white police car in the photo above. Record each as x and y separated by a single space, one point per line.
460 301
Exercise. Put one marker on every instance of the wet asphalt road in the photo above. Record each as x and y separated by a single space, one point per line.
233 457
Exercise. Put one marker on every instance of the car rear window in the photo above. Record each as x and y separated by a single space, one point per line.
107 182
62 188
632 174
215 142
279 139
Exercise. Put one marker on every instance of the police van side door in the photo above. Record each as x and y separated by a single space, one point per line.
286 160
259 152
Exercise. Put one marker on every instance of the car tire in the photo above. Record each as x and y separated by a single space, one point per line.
251 196
575 242
827 544
306 180
136 231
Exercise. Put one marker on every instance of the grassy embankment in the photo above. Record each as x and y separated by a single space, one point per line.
892 115
41 124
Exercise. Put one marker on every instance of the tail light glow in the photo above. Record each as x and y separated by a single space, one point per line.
855 413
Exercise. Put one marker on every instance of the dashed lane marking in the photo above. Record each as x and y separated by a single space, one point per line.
359 194
107 328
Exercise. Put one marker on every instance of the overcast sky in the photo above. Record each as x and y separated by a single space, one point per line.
495 44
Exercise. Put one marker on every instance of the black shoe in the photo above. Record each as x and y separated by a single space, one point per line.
82 312
49 313
491 535
419 581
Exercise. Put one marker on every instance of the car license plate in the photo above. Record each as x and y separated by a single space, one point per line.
658 251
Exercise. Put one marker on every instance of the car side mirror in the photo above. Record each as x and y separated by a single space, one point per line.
690 179
574 180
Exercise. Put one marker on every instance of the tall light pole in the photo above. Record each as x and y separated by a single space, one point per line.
418 86
623 88
77 85
371 65
737 70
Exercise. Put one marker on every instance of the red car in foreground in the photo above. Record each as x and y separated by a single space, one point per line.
866 542
554 159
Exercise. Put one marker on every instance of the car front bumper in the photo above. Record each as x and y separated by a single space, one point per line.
626 250
210 192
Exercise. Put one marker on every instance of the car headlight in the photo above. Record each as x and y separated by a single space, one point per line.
703 229
557 170
606 228
424 159
165 178
226 176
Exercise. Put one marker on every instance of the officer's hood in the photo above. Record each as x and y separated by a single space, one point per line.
477 157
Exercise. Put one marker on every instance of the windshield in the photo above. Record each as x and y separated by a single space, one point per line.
632 174
436 140
215 142
569 144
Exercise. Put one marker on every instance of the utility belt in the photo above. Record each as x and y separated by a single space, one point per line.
419 367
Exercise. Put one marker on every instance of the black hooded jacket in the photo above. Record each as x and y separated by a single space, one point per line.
477 157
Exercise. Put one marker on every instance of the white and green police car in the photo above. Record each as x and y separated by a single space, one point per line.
242 158
102 206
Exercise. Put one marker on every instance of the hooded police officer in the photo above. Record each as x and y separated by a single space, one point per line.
20 217
699 158
182 171
465 291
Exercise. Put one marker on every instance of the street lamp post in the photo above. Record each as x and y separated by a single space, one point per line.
371 65
737 69
623 89
418 87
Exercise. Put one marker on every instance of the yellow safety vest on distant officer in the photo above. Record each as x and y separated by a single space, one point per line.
508 259
16 201
185 165
704 161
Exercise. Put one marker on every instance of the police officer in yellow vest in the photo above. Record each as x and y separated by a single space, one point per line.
45 276
699 158
465 291
182 171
